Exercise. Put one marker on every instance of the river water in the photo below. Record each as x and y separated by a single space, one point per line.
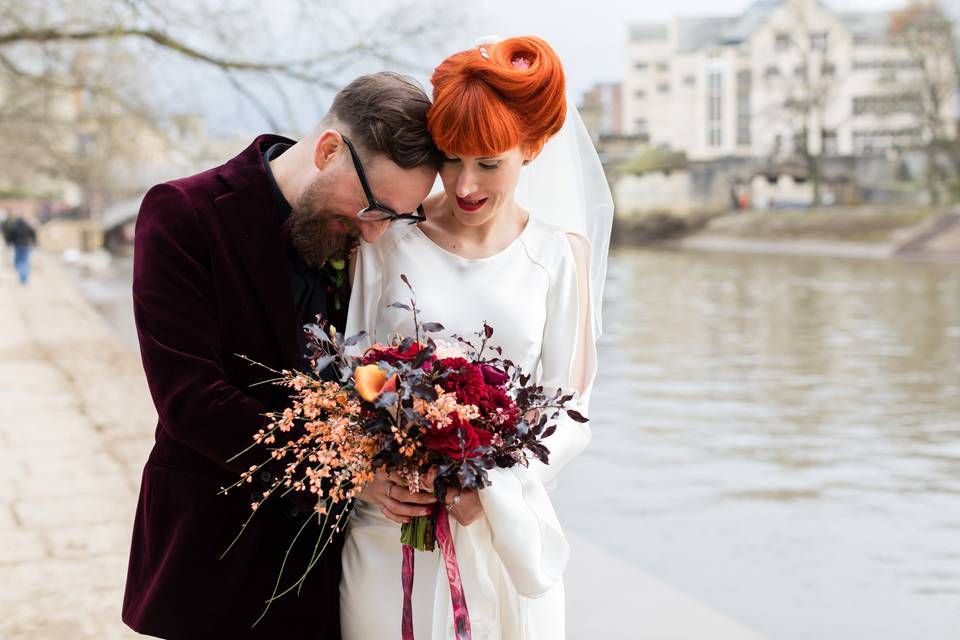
776 436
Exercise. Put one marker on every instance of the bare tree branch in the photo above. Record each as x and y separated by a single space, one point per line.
93 86
288 68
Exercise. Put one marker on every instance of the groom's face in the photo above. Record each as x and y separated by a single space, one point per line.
325 215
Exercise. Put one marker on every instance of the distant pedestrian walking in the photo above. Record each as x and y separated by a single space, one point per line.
5 221
21 236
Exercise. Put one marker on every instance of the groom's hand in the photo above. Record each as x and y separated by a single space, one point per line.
395 501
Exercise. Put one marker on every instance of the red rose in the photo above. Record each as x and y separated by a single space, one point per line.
493 376
498 410
446 440
461 375
473 384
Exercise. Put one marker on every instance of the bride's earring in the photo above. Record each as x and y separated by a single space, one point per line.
526 162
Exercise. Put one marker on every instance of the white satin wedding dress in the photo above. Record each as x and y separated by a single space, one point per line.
511 560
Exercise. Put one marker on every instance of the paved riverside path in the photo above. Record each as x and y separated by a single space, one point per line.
76 424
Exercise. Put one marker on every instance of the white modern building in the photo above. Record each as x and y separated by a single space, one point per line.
753 85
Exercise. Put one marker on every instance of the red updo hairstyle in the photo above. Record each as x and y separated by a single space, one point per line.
489 99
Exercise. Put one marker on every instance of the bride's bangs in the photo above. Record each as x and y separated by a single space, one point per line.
469 119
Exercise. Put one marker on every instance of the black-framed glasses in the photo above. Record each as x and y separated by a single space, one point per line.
375 211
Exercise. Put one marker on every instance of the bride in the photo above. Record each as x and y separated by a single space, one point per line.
524 249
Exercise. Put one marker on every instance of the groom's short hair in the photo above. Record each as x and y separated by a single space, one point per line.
386 113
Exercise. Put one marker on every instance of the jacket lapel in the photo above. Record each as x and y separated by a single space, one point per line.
248 214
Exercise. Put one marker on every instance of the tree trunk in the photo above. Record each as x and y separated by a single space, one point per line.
816 174
931 174
814 169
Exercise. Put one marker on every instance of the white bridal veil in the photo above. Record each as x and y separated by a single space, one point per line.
565 187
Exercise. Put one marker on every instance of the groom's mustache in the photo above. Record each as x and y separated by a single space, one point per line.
318 236
345 226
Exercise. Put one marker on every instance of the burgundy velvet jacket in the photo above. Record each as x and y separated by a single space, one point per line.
210 283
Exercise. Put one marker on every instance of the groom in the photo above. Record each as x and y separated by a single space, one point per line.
233 261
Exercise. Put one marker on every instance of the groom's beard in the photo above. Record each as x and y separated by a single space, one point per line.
318 235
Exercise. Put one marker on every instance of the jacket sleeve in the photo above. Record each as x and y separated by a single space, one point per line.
179 336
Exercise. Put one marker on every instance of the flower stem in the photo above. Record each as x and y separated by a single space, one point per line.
419 533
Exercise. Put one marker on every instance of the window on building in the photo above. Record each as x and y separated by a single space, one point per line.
744 82
782 41
799 142
640 66
800 71
663 66
663 87
715 109
828 69
640 124
771 72
819 41
829 142
640 93
888 104
890 64
880 140
689 81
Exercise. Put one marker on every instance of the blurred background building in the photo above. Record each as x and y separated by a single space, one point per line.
788 104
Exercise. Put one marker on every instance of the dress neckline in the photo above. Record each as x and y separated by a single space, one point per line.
494 256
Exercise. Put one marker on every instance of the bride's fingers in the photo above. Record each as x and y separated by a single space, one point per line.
468 509
401 494
389 515
403 509
452 494
464 520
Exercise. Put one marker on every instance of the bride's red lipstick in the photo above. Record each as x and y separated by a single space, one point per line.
470 206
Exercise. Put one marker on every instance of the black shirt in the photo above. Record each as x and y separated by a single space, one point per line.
319 294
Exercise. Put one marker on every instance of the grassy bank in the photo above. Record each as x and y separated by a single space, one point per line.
658 227
865 225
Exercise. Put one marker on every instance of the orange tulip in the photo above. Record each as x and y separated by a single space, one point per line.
371 382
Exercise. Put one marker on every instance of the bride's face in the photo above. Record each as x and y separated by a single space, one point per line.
480 188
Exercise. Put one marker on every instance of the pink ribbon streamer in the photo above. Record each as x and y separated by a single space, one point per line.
461 617
407 577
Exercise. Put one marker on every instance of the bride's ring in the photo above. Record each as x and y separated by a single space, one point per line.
453 503
389 489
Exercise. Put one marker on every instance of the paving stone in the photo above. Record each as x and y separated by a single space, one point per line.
81 541
88 485
18 547
7 520
58 512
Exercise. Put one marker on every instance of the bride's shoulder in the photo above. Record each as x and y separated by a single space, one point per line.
394 234
546 242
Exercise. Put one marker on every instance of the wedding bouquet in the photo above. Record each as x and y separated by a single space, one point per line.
418 407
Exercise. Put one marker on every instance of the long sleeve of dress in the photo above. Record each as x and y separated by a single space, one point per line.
525 530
